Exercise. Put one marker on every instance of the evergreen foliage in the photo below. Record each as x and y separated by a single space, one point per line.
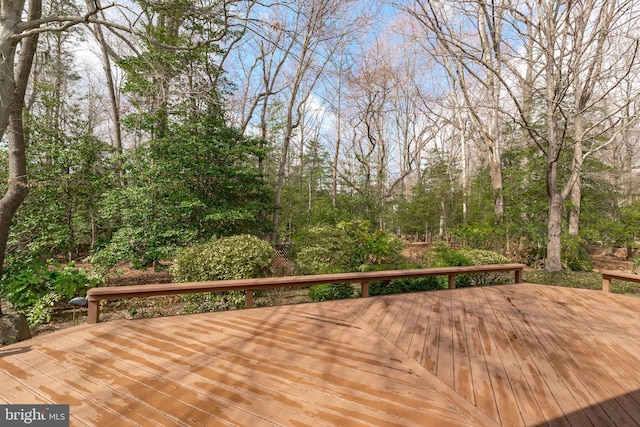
400 286
330 292
348 246
442 255
234 257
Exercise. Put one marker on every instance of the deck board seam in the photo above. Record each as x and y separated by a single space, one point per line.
436 382
195 390
289 362
47 398
589 373
552 344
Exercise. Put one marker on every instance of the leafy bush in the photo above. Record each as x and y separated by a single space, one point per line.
372 247
330 291
442 255
349 246
42 310
138 245
483 257
235 257
399 286
574 253
34 289
324 249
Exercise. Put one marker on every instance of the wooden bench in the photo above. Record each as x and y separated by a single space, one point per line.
607 275
95 295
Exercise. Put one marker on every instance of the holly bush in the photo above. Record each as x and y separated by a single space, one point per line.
235 257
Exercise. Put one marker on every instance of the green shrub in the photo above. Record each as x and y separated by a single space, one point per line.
235 257
372 247
441 255
399 286
483 257
324 249
139 245
574 253
42 309
349 246
35 288
330 291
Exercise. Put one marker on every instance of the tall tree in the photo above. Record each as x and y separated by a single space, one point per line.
467 38
14 76
20 24
199 177
555 54
292 48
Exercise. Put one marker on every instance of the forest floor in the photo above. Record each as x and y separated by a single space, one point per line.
66 316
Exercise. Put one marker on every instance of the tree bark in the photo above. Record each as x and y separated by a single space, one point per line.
336 151
13 87
114 108
554 230
576 189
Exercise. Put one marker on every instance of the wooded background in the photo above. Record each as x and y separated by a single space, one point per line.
135 128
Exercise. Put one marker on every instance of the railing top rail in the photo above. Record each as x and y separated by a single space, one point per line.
608 275
620 274
95 294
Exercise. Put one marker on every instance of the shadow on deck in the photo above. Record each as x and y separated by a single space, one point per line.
511 355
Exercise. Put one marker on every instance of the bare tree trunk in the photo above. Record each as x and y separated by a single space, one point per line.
576 189
464 164
554 225
114 109
490 30
308 66
443 220
554 229
13 87
336 152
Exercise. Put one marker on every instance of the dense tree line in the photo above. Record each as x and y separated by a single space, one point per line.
508 126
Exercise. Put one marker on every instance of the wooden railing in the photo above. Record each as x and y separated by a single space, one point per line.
95 295
607 275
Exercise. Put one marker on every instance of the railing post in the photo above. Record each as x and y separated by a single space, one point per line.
519 276
606 283
365 289
94 312
249 299
452 281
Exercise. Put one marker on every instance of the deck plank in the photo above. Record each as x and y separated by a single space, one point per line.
483 394
524 355
594 379
529 357
463 378
534 364
502 368
429 356
512 355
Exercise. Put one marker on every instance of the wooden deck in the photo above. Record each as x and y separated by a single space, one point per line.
510 355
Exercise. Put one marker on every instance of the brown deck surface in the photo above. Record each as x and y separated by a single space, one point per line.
506 355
